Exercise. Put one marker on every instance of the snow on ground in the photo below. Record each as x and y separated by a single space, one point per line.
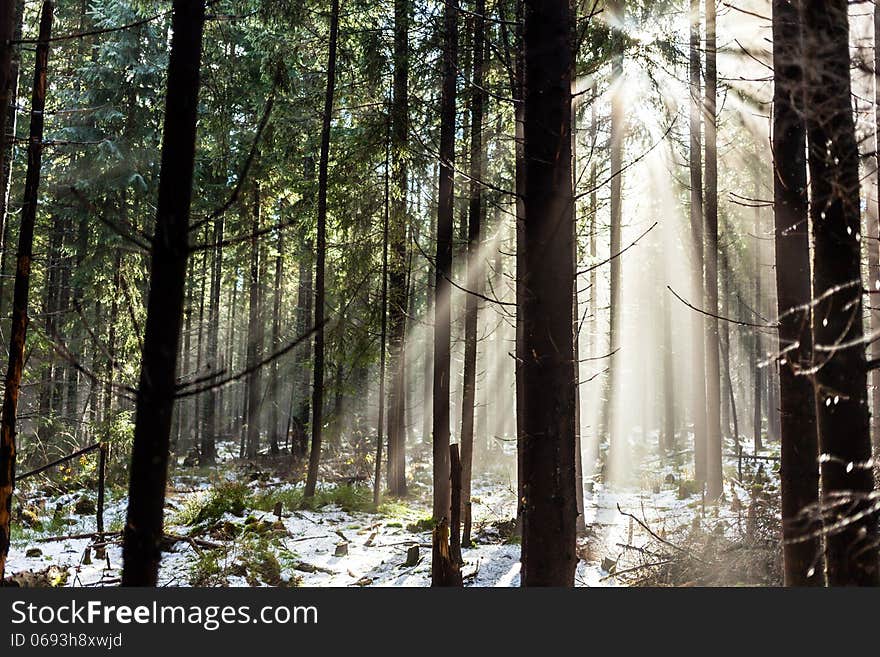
334 547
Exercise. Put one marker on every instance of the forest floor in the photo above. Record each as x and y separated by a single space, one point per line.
222 532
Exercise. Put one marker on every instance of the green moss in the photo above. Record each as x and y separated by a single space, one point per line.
425 524
347 498
227 497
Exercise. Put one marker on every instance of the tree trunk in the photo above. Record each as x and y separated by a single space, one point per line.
10 29
18 334
700 407
714 438
757 354
475 269
274 437
841 383
320 295
799 470
255 336
548 440
208 451
383 337
615 442
873 235
155 397
397 272
443 265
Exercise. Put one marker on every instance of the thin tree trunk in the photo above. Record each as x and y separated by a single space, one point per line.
548 441
443 265
841 383
873 235
11 17
397 272
320 300
617 9
380 423
714 438
208 451
757 354
155 397
274 437
18 334
255 336
700 417
475 269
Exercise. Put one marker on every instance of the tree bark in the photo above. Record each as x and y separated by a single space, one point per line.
549 511
841 383
714 438
208 451
443 265
799 470
320 292
475 269
615 442
156 390
700 417
397 272
255 336
18 334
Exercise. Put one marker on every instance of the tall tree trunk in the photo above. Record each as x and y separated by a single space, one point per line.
841 383
156 391
18 334
757 354
318 385
111 340
255 336
714 438
10 30
615 442
475 269
549 510
383 337
696 216
443 265
518 93
799 471
274 433
304 322
208 448
873 235
397 272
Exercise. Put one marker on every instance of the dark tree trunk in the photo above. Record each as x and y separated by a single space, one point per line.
208 451
799 470
475 269
841 383
301 392
397 271
323 167
155 398
714 438
255 336
757 353
548 441
10 30
700 418
873 235
18 334
443 265
274 433
383 337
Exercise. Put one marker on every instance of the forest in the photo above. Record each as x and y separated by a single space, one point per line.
459 293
